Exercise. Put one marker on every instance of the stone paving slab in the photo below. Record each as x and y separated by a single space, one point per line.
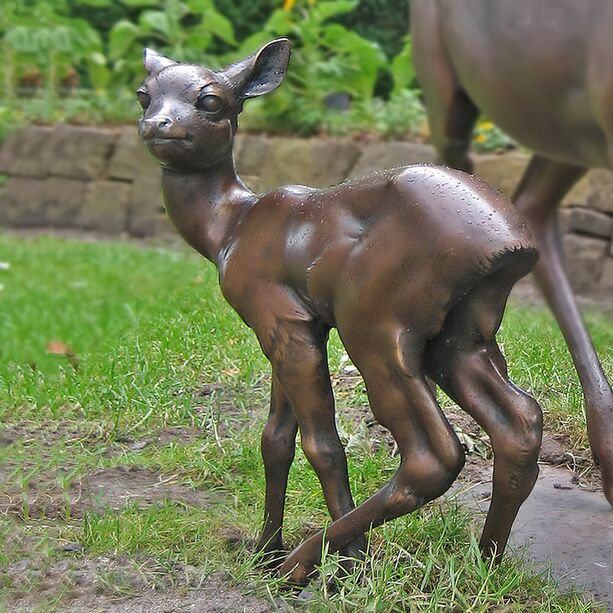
564 528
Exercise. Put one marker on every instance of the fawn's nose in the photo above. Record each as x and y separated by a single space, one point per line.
161 127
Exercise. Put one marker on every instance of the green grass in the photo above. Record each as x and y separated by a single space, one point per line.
148 329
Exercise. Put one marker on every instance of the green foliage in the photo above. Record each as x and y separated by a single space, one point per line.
40 36
247 16
385 22
181 30
10 119
100 42
47 39
402 114
327 58
402 69
488 137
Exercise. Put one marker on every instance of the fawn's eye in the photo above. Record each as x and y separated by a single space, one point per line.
143 99
209 103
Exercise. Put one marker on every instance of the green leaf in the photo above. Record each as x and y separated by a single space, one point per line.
220 26
96 3
325 10
157 21
279 23
123 34
140 3
98 71
200 7
402 67
197 41
360 58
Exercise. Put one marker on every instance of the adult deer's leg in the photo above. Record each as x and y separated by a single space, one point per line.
451 113
431 455
538 196
466 362
278 447
300 366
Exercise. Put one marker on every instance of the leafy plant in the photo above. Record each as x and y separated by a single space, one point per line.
182 30
402 69
10 119
385 22
99 43
403 114
327 58
40 37
247 16
489 137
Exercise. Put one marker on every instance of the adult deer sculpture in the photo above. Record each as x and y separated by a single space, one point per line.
543 71
412 266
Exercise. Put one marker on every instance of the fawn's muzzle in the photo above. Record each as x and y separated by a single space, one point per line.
162 128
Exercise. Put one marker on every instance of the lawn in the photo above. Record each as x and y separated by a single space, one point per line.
131 401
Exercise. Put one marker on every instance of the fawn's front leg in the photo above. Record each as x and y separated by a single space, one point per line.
278 447
300 366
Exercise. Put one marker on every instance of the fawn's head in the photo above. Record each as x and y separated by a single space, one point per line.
190 113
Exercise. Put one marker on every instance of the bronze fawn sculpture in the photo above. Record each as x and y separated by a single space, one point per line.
413 266
542 70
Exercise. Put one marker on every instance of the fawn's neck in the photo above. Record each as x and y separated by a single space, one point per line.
206 206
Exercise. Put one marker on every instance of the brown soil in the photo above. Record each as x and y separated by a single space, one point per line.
34 490
58 572
120 585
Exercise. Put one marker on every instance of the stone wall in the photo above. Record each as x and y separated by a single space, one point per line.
102 179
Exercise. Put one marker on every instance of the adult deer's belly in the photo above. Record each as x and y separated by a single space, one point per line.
525 63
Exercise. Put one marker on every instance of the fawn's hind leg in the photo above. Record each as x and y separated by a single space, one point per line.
466 362
278 447
431 455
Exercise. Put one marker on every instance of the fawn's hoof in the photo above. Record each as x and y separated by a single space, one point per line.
270 555
298 570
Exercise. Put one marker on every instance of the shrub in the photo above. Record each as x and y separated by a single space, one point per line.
385 22
98 44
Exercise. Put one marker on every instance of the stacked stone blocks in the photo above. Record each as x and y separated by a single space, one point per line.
103 180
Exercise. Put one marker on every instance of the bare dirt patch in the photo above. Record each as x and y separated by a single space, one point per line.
40 476
47 435
114 488
122 585
160 438
102 490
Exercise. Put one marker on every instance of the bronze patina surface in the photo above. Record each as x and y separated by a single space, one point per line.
413 266
543 71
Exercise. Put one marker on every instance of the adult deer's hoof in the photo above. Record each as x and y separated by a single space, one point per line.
600 433
606 471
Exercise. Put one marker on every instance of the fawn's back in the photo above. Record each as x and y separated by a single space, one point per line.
435 229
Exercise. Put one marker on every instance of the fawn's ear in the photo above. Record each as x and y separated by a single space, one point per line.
261 72
154 61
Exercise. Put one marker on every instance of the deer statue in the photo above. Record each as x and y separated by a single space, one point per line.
413 266
542 70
